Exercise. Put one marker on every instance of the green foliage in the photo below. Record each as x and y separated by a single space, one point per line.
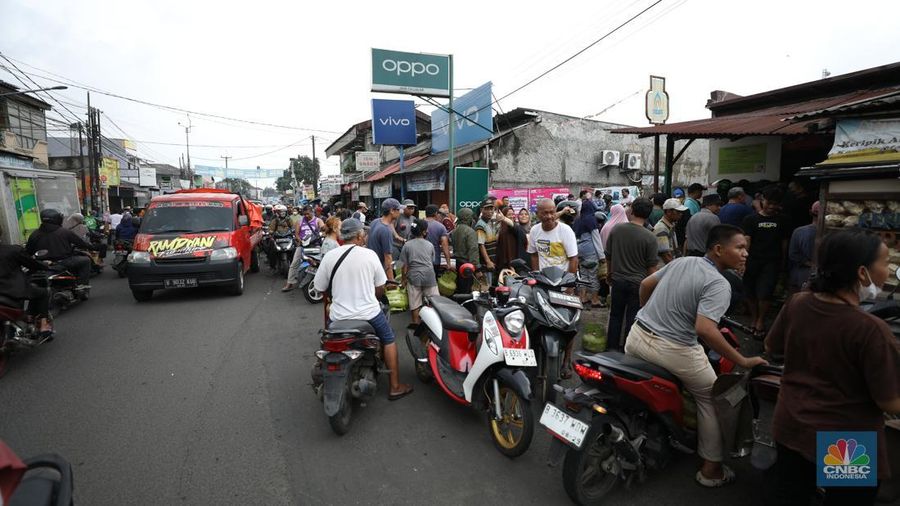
304 171
238 185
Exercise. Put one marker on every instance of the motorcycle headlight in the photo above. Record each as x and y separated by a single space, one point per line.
550 312
139 257
228 253
514 322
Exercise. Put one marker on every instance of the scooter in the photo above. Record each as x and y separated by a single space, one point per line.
284 251
552 318
628 416
308 269
44 480
346 369
480 363
120 260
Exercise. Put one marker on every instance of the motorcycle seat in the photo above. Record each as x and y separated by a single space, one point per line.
453 316
7 301
350 327
620 362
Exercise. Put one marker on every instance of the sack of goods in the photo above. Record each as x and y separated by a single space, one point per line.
447 283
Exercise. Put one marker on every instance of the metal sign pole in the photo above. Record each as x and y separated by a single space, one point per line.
451 169
402 176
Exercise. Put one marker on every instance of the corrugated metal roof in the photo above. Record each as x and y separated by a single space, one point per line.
383 173
770 121
443 158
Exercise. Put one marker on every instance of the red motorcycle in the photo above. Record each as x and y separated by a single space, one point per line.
627 417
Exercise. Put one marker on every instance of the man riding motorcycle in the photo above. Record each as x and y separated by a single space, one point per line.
280 224
14 284
60 244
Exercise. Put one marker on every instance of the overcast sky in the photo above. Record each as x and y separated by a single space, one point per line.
307 64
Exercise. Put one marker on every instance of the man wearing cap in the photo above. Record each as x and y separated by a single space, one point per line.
699 225
800 251
488 229
664 230
361 210
437 236
406 219
734 212
357 285
381 235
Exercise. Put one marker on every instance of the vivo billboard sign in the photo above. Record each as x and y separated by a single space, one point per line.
410 73
472 122
393 122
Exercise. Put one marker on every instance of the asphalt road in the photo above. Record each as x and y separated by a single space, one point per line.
203 398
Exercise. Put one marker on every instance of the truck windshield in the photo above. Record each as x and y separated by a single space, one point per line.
187 217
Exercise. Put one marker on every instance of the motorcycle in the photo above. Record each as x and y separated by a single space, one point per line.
628 416
120 253
62 285
552 318
311 261
44 480
480 363
346 368
284 251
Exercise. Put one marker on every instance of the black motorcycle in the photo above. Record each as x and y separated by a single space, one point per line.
551 317
283 246
62 284
121 250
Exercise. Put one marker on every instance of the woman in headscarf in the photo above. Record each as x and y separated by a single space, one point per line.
465 246
523 224
75 223
590 252
617 215
507 240
126 229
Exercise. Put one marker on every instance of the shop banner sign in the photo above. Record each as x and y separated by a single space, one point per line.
368 161
393 122
426 181
743 159
471 185
147 176
381 189
410 73
536 194
518 197
473 121
866 140
616 192
109 172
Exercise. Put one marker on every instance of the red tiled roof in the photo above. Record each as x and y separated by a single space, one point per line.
383 173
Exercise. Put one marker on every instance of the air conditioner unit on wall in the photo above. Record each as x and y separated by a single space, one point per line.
609 157
632 161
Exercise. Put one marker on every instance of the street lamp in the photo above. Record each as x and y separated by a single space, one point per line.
23 92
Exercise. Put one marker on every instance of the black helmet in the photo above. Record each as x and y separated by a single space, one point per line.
51 216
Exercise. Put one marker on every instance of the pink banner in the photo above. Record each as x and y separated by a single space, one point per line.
528 197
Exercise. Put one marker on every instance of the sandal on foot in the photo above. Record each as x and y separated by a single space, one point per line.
727 478
404 391
288 287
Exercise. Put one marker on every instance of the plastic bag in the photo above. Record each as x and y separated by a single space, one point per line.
447 283
398 300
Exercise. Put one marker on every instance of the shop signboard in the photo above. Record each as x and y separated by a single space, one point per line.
742 159
616 192
866 141
518 197
471 185
393 122
536 194
657 105
147 176
473 121
382 189
368 161
109 171
410 73
426 181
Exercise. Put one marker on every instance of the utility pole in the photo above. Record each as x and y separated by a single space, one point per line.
226 160
315 171
187 144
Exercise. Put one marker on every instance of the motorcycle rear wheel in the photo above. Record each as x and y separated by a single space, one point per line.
512 434
584 478
340 421
312 295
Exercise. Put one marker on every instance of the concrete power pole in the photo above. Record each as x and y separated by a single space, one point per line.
316 181
226 160
187 143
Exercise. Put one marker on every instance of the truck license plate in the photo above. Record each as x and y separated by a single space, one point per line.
520 358
560 423
180 283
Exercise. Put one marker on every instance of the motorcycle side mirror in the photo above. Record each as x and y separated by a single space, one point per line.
41 253
243 221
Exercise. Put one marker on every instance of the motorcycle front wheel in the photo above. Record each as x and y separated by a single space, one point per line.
513 432
312 295
585 475
549 376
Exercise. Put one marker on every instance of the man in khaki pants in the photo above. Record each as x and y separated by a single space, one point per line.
681 301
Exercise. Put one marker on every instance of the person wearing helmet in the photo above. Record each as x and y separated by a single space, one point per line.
14 284
268 213
60 244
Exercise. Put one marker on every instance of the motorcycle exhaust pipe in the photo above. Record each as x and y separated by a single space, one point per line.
363 388
622 445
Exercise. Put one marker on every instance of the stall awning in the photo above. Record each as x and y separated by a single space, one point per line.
784 119
383 173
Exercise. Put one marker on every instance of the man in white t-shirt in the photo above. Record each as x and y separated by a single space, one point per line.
626 198
553 243
357 286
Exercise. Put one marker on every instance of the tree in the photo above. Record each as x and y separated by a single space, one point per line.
238 185
303 170
269 192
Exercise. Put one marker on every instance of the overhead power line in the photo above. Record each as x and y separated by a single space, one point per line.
74 84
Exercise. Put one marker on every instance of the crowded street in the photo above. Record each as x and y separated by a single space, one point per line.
202 398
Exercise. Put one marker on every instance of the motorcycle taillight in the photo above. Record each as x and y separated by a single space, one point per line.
587 373
336 345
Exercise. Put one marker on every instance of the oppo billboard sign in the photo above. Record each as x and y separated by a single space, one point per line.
410 73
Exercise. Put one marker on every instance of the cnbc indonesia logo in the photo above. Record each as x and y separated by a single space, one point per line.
845 460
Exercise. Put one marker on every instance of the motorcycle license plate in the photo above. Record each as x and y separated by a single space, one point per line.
180 283
520 358
566 427
565 299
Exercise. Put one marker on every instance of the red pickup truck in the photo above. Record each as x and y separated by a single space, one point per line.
191 238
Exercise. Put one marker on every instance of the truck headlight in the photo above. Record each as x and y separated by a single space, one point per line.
139 257
228 253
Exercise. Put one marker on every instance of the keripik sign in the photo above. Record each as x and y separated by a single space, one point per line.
410 73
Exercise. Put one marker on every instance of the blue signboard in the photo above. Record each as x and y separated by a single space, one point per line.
473 121
393 122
